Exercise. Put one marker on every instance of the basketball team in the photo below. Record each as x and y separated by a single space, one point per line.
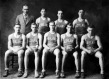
59 37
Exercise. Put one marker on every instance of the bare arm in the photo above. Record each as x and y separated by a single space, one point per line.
58 41
62 37
40 41
10 43
87 21
45 41
74 23
99 44
77 45
82 44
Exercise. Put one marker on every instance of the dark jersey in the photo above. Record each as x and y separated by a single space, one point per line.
60 27
80 27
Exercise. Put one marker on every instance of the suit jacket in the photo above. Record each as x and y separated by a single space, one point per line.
25 25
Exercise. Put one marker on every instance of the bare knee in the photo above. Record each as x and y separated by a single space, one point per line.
64 53
27 52
83 53
57 52
45 51
20 53
75 54
8 52
99 55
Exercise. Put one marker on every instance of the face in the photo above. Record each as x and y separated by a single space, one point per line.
69 27
33 28
90 30
43 12
25 9
81 13
52 26
60 14
17 28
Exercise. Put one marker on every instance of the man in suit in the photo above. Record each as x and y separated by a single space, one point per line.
25 20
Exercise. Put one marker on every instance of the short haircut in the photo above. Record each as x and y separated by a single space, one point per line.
43 9
91 26
33 24
25 5
52 22
17 24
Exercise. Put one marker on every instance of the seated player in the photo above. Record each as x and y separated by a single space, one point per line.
34 45
51 45
91 45
16 45
69 45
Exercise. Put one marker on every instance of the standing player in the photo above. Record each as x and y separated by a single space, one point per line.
51 45
34 45
42 22
16 45
60 23
69 45
80 25
91 45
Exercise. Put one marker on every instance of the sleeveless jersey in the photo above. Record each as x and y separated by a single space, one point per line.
60 27
43 25
80 27
68 42
90 43
52 40
33 40
16 41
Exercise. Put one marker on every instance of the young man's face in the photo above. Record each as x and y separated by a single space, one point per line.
17 28
43 12
52 26
90 30
33 28
81 13
25 9
69 28
60 14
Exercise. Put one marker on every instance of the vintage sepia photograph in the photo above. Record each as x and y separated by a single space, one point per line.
54 39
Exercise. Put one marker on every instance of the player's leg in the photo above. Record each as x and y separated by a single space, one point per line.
64 53
75 54
100 57
20 62
57 54
83 54
44 57
7 53
26 59
36 61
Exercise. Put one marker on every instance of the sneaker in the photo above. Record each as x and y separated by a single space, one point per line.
57 75
82 75
102 76
62 75
6 73
77 75
20 73
36 74
42 74
25 74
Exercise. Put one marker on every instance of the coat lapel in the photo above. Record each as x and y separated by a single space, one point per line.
23 19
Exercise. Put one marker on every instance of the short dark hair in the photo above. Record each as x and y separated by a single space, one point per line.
33 23
17 24
91 26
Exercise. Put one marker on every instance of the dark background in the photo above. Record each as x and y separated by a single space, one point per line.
97 12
